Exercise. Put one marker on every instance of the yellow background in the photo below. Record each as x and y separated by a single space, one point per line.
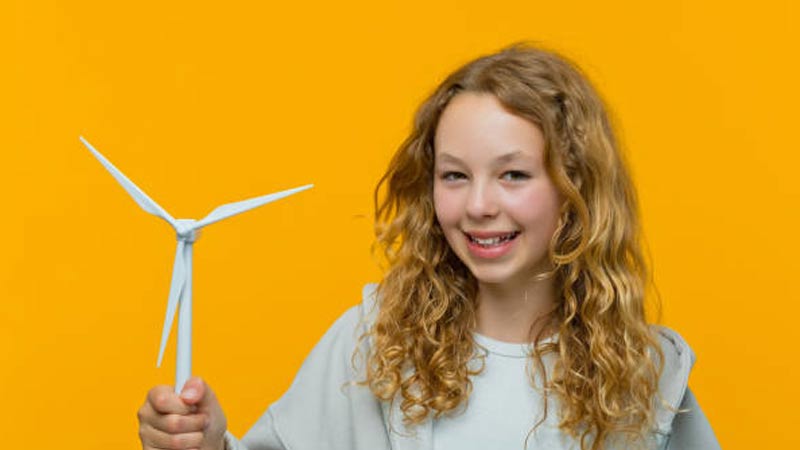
203 103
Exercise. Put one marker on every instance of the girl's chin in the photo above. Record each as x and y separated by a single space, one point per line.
493 278
503 277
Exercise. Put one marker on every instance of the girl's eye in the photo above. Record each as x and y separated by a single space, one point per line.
515 175
452 176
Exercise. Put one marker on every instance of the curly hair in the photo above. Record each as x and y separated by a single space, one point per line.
607 361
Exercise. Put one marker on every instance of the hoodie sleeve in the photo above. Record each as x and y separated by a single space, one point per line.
324 408
686 430
691 430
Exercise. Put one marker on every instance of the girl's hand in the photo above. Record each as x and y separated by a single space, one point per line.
191 420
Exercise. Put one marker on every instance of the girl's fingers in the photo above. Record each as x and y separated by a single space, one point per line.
177 423
164 400
168 422
153 438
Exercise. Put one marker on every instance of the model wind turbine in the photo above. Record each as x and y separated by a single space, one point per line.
180 290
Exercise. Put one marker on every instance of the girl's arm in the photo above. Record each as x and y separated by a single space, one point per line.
691 430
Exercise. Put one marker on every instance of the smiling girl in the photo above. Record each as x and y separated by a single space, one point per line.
512 312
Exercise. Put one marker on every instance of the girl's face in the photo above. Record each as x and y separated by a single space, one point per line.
493 198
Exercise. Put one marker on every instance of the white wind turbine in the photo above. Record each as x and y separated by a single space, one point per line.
180 290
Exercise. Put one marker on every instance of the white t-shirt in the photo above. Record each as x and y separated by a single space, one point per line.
503 406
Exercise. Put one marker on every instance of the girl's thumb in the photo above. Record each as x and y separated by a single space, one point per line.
193 391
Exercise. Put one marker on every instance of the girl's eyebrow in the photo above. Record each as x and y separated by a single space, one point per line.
447 157
508 157
502 159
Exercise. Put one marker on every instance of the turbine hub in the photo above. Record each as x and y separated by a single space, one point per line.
186 231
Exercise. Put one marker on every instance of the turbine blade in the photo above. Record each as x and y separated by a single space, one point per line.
138 195
231 209
175 291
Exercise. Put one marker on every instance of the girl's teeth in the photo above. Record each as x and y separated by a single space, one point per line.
493 241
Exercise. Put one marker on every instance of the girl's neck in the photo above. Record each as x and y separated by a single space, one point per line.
507 313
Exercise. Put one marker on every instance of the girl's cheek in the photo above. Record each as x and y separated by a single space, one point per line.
445 206
533 207
445 214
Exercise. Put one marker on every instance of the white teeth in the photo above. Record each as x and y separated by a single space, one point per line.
493 241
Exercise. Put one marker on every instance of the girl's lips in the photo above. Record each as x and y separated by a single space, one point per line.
488 234
490 251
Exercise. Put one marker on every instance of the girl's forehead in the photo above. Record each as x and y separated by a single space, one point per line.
479 126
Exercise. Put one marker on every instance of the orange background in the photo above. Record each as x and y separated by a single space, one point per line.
203 103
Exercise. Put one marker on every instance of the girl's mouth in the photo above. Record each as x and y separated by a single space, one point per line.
494 241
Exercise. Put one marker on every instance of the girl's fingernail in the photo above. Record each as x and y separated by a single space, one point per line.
190 394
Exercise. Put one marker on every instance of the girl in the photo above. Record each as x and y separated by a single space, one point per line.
512 312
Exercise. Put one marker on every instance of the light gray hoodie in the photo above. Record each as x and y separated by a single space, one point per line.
323 409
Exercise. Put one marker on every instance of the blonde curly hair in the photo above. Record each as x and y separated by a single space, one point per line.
607 359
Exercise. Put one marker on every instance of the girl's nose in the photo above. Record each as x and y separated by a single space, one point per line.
481 202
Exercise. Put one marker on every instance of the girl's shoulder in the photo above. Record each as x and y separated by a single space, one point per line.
346 331
369 302
678 361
